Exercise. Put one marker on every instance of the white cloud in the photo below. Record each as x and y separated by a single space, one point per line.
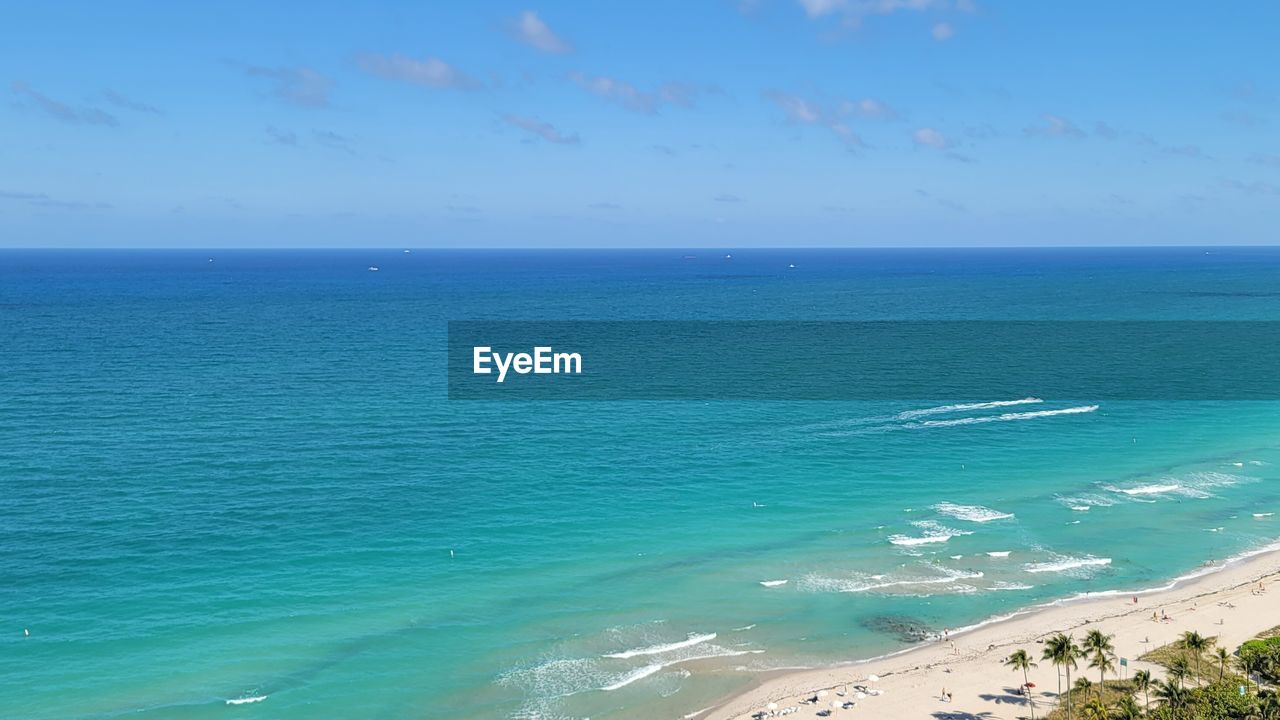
869 108
635 99
805 112
1055 126
853 12
62 111
431 72
818 8
930 138
534 32
296 85
544 130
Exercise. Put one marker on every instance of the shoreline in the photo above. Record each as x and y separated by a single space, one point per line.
968 662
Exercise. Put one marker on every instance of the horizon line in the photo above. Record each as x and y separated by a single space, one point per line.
738 248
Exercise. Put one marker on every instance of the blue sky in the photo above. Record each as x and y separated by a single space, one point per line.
679 123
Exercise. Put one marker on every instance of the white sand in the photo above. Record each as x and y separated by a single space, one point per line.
970 664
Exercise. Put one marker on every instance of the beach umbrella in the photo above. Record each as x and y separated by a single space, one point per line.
861 695
771 706
873 678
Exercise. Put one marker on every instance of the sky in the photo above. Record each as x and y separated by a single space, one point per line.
669 123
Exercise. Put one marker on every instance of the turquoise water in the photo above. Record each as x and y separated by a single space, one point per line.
239 479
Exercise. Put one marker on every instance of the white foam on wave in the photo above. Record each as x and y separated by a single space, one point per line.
933 533
1003 417
999 553
1263 515
1066 563
971 513
247 700
1006 585
693 639
773 583
1082 503
551 680
858 583
964 407
1196 485
861 422
1157 489
634 675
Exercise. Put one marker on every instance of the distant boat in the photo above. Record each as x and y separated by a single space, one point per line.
406 252
791 266
373 268
728 257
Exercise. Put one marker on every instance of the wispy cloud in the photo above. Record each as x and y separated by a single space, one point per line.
121 101
333 140
43 200
1055 126
1108 132
281 137
541 129
429 72
944 202
534 32
62 111
929 137
1244 118
800 111
637 100
1265 159
869 108
18 195
296 85
1251 187
854 12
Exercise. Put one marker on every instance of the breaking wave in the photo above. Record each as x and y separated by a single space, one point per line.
971 513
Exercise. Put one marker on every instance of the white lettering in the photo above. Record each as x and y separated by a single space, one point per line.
543 361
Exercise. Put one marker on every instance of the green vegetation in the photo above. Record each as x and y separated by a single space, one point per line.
1201 681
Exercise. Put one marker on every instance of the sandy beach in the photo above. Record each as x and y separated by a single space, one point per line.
969 663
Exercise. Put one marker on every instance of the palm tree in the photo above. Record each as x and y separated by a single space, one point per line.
1196 643
1103 663
1249 664
1062 651
1094 710
1127 709
1172 694
1222 656
1179 669
1019 660
1142 683
1098 646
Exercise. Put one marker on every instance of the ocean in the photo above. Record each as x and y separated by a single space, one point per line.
232 484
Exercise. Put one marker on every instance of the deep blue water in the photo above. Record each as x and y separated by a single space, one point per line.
241 479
